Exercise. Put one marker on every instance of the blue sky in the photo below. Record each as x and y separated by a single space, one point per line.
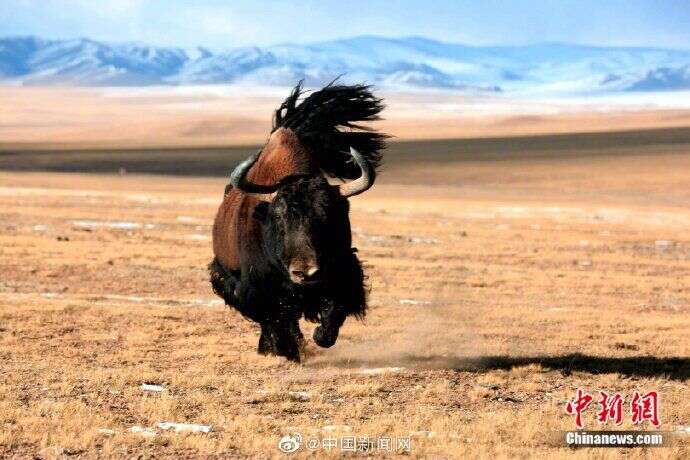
225 24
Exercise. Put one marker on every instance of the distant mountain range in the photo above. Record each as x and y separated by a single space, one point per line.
411 62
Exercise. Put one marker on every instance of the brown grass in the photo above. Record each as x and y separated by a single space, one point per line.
496 297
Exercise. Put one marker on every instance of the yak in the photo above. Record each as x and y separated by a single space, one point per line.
282 239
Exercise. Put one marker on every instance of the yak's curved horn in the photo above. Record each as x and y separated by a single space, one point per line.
238 179
364 182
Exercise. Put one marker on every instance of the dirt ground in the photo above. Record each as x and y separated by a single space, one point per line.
497 289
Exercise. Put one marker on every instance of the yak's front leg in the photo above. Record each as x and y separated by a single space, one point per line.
331 318
282 336
266 341
346 296
281 339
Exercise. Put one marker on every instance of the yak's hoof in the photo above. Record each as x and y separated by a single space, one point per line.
265 345
276 345
290 355
324 338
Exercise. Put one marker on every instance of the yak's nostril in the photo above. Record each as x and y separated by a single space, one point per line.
303 272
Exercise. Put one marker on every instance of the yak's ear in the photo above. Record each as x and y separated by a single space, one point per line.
261 212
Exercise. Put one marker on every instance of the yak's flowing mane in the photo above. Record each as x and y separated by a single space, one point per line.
326 122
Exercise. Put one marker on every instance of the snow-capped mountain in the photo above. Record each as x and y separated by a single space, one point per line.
390 62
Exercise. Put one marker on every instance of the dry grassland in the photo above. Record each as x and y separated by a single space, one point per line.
63 118
498 288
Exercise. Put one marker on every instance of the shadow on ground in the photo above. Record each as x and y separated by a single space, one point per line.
675 368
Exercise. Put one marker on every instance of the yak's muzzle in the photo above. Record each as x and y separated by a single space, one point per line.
303 271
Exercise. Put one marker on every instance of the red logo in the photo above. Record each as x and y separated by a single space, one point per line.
642 407
611 408
645 408
578 405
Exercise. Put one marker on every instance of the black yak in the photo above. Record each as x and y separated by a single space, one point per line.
282 239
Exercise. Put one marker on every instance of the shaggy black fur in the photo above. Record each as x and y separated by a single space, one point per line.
307 213
224 283
326 122
307 220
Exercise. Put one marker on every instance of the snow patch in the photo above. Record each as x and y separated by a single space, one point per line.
197 237
380 371
152 387
145 432
185 427
414 302
302 396
119 225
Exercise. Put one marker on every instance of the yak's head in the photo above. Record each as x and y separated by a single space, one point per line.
304 218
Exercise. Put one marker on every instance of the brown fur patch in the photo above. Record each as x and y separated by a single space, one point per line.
282 156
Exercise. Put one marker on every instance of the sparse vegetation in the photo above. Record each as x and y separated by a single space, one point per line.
523 279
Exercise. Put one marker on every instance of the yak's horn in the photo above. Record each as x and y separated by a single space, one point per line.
364 182
238 179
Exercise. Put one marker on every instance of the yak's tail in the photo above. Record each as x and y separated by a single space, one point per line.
327 122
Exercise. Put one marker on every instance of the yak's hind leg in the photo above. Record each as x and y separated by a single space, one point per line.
225 283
